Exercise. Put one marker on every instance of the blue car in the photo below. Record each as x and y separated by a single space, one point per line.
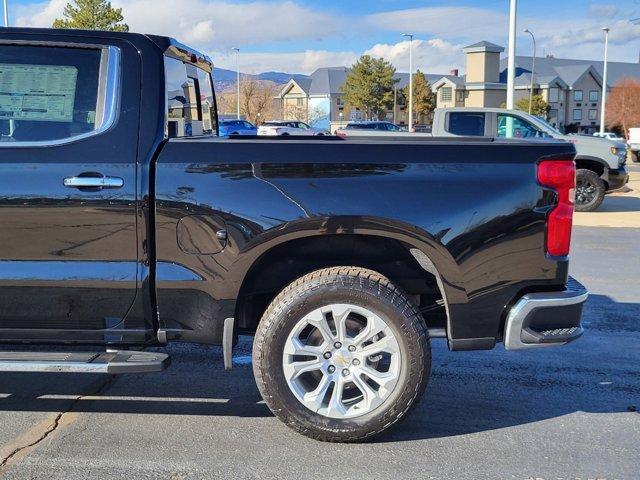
237 127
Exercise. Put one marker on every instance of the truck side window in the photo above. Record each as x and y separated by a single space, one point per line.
468 124
190 100
50 94
512 126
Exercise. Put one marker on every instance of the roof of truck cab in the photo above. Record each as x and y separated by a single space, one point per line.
162 42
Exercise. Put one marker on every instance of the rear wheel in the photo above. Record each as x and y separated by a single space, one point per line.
590 190
341 354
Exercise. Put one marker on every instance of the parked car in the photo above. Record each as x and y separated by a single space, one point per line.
344 258
634 144
236 127
422 128
600 162
371 128
609 136
289 128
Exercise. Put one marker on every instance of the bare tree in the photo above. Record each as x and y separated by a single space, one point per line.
257 100
623 105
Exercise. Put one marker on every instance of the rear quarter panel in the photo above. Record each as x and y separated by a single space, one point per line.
474 208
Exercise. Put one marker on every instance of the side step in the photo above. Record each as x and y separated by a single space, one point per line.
79 362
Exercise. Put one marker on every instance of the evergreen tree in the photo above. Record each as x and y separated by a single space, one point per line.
92 15
539 107
369 86
424 99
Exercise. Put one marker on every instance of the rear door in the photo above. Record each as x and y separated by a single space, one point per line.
68 201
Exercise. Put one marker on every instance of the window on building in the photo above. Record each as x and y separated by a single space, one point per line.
191 107
593 95
554 95
577 95
577 114
593 114
459 95
300 102
446 94
50 93
466 124
553 115
340 102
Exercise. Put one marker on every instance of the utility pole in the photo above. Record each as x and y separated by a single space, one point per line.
395 102
533 68
237 50
604 80
410 35
511 73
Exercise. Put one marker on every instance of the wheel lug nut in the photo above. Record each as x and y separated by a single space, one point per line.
356 362
331 369
337 345
327 355
352 348
345 372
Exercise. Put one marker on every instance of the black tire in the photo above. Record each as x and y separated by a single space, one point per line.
635 157
590 190
357 286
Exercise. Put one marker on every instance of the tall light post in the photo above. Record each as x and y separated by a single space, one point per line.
533 68
511 68
410 35
237 50
604 79
6 13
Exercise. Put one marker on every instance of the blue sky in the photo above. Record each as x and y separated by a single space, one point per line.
301 35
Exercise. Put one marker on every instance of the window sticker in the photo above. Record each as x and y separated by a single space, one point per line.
39 93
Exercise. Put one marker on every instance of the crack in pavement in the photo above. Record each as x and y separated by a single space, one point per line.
6 461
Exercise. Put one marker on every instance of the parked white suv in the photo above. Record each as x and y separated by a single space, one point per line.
289 127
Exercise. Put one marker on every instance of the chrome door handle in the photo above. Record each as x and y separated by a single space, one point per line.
93 182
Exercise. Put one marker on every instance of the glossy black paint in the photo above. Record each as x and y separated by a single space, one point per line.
148 265
474 208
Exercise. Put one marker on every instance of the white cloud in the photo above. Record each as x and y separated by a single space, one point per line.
462 22
604 11
217 24
430 56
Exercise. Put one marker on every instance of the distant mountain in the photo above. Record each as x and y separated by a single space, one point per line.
226 78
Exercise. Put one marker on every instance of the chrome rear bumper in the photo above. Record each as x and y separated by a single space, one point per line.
546 318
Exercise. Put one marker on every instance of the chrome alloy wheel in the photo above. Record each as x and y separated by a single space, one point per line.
342 361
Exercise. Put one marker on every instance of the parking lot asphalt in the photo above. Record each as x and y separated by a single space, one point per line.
558 413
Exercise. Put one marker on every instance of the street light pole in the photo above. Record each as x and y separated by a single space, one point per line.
6 13
604 80
237 50
410 35
533 68
511 70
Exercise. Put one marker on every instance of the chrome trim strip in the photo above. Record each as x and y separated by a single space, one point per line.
108 101
527 304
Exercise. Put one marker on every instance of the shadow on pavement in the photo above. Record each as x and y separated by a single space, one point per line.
468 391
620 203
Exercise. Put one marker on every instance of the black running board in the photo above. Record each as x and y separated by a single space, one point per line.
80 362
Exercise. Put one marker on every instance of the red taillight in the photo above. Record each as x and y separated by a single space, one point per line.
561 176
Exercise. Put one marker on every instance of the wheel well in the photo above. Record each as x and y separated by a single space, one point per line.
286 262
590 165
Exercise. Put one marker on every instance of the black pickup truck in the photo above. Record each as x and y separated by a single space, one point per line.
126 221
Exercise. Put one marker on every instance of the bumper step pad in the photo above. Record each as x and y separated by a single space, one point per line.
79 362
561 311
